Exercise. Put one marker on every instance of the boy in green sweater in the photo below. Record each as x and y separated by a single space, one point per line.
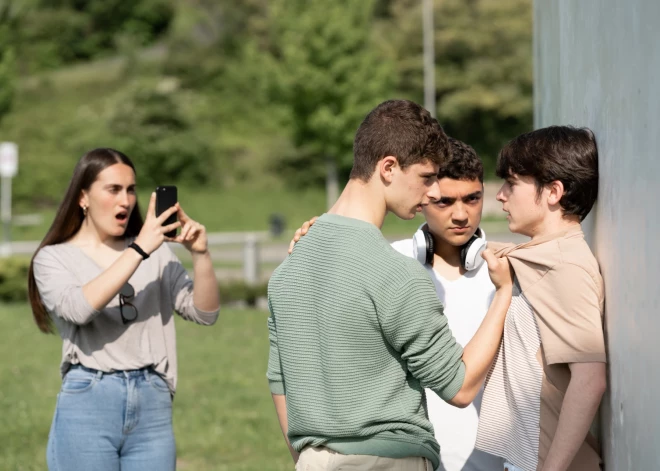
357 330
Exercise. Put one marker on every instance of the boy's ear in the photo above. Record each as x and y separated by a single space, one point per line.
385 167
556 192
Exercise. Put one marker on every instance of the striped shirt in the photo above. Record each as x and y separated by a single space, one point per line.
509 422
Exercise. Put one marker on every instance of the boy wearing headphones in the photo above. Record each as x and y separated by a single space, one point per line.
449 246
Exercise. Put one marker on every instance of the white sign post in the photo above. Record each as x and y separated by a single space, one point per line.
8 170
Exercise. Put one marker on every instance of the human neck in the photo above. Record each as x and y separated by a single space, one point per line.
447 252
554 224
447 259
360 200
89 235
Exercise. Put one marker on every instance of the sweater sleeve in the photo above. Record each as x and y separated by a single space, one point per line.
274 373
571 319
60 290
181 288
414 325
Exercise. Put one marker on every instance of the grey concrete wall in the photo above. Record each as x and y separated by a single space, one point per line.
597 64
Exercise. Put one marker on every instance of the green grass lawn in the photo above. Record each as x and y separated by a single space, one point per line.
223 413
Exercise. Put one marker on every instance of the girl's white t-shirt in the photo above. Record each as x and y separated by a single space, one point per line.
466 301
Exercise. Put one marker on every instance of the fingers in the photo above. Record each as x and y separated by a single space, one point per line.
183 217
301 232
188 228
165 214
194 232
189 232
184 230
490 258
151 209
171 227
296 238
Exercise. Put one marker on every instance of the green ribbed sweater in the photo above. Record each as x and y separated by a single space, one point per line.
356 332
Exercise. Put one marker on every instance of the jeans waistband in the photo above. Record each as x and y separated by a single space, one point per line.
123 373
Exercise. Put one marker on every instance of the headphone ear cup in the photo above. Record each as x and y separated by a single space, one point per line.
430 248
464 251
471 258
423 246
420 245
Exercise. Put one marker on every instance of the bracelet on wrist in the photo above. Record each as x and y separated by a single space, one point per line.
139 250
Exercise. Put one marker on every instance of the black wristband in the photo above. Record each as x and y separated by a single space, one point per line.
139 250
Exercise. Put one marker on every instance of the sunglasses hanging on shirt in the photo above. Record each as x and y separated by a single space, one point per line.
127 310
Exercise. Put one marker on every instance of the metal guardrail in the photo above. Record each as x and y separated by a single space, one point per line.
235 247
250 256
215 239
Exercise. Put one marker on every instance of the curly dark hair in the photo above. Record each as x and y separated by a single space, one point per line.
564 153
462 164
402 129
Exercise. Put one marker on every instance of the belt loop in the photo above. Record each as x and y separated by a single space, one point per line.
99 375
145 373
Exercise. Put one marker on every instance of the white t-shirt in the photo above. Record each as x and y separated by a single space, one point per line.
466 301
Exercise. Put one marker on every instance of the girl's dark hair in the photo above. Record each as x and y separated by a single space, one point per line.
69 218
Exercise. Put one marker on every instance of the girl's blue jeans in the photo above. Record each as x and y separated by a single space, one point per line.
112 422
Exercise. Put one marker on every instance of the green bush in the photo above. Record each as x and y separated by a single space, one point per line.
240 291
13 279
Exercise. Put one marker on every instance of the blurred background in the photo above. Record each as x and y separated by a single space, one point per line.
250 108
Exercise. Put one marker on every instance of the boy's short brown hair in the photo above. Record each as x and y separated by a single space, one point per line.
402 129
462 164
563 153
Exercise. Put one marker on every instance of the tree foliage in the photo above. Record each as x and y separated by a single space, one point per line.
331 74
151 128
57 32
7 59
266 90
483 71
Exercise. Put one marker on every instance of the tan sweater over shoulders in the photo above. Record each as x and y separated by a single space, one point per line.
555 318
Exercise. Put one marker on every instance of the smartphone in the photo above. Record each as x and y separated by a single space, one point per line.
166 197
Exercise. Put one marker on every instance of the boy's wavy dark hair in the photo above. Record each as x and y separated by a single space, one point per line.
563 153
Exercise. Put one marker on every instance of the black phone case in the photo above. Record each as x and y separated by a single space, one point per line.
166 197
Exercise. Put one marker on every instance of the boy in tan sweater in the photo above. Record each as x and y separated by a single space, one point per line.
548 378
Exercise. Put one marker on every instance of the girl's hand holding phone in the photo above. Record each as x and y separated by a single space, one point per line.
153 232
193 234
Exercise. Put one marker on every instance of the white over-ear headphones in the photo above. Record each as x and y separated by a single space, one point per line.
470 252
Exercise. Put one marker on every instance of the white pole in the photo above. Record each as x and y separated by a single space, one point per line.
251 259
5 215
429 57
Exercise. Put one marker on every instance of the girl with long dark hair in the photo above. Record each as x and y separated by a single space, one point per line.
108 283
